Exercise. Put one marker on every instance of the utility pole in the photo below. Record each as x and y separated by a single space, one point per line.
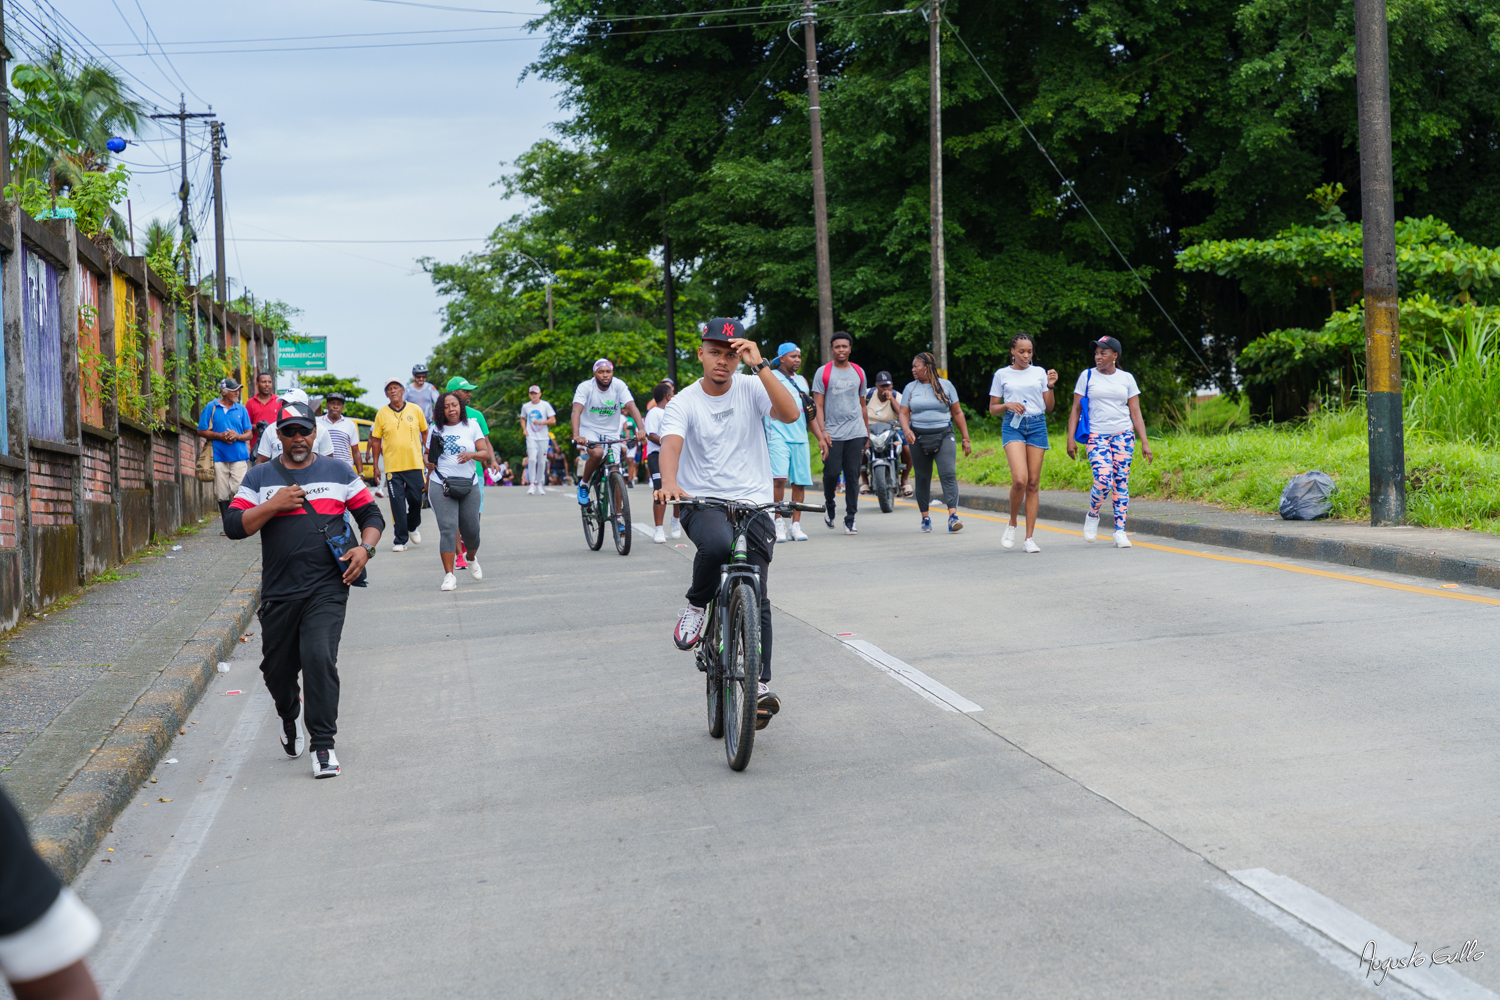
820 195
933 11
666 268
216 136
184 220
4 105
1382 307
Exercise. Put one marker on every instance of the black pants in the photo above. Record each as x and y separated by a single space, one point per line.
946 460
845 457
302 637
714 538
405 488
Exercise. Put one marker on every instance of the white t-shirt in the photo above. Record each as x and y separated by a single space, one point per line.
270 444
344 434
652 425
601 410
724 451
1024 386
1109 399
458 438
535 415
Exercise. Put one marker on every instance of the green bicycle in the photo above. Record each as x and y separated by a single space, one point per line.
609 501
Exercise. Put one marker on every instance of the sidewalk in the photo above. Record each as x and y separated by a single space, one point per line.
92 692
1471 557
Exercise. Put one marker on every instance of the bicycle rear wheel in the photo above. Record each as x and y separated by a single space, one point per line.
742 674
621 516
593 520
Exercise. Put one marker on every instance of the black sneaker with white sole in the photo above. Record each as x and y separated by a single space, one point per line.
293 739
325 764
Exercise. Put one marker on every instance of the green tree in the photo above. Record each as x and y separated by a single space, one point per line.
322 385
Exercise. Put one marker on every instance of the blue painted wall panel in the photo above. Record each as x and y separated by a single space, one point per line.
41 320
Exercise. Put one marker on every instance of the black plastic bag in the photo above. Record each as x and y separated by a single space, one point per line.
1306 497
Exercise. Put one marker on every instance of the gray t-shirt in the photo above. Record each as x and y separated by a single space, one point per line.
843 402
927 412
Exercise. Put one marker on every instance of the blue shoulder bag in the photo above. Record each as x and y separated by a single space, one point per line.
1081 434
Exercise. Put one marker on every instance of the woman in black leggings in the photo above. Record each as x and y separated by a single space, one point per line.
929 409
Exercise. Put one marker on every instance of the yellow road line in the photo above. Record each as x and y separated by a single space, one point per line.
1269 563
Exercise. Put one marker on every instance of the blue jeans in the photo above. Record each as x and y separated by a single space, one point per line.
1033 430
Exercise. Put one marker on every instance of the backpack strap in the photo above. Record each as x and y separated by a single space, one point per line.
827 371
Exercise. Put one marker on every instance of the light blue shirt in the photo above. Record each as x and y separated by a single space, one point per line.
796 430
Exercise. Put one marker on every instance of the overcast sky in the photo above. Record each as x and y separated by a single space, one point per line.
398 142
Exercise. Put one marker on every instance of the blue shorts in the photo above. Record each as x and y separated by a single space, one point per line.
1033 430
790 460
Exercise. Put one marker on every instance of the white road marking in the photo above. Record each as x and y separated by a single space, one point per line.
942 696
1354 933
648 532
118 958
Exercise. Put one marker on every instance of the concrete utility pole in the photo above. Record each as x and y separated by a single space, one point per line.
4 105
820 195
221 280
184 220
1382 308
934 14
666 268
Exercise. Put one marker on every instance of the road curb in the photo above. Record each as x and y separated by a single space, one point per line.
1363 555
68 831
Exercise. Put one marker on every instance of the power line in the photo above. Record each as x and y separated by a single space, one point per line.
463 239
151 33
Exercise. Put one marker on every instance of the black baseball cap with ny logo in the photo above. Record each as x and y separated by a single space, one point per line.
724 329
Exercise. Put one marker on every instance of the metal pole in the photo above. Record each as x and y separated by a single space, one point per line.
934 14
1382 308
820 196
216 136
666 258
549 305
4 106
183 221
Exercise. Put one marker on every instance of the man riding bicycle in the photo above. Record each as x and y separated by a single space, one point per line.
597 405
713 444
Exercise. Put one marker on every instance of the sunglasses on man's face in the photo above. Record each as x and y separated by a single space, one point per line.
293 432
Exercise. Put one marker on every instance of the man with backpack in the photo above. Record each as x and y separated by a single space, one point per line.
791 461
842 426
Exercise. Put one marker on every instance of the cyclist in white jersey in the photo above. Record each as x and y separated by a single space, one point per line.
713 444
597 406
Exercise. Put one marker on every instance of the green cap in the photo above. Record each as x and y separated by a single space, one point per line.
459 382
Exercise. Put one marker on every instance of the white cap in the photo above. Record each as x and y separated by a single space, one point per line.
294 396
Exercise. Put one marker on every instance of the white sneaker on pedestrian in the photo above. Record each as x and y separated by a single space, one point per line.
450 582
1122 540
325 764
1090 528
1031 546
474 570
676 528
798 535
293 737
398 547
415 537
780 530
659 535
1008 540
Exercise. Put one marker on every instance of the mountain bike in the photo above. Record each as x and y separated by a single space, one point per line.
608 501
729 652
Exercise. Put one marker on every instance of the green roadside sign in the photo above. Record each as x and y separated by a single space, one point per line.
306 354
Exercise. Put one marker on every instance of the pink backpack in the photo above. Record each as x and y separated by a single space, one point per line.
828 372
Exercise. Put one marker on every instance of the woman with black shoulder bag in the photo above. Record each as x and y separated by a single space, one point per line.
929 409
454 484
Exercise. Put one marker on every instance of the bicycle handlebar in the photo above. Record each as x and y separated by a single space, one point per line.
785 505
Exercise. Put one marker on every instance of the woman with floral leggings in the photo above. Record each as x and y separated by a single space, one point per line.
1115 423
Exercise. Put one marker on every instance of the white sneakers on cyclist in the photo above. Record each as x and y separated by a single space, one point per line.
450 582
780 530
474 569
676 528
660 535
689 627
1031 546
1008 540
1122 540
415 537
1090 528
797 534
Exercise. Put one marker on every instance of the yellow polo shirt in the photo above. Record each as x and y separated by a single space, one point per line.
402 436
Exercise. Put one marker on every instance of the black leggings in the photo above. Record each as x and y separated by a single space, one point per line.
946 460
711 533
845 457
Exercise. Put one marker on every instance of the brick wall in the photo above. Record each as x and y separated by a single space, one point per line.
164 462
97 469
132 462
51 489
186 455
7 508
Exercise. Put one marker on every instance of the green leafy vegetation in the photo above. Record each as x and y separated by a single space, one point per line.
322 385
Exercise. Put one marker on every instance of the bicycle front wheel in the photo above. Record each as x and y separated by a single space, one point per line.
593 521
708 656
621 516
741 674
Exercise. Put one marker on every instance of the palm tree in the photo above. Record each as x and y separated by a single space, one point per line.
66 114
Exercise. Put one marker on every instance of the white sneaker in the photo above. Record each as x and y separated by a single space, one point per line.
1090 528
659 535
475 571
689 627
398 548
325 764
1031 546
1008 540
676 528
415 537
450 582
293 737
780 530
798 535
1122 540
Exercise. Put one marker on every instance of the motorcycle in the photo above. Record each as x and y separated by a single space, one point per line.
883 458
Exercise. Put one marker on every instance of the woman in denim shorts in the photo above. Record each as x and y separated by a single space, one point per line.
1021 393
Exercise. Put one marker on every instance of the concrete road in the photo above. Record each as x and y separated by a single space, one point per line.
531 805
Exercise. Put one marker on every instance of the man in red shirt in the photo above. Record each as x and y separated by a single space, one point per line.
262 407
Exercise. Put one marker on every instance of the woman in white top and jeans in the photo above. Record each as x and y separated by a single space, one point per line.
1027 394
455 486
1114 424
